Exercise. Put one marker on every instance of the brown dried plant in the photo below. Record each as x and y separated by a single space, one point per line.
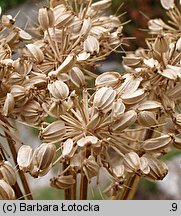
121 126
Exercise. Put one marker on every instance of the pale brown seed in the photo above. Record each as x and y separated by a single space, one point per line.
46 18
126 120
42 158
109 79
7 172
156 144
6 191
158 169
147 118
53 132
77 77
62 182
104 98
58 89
24 157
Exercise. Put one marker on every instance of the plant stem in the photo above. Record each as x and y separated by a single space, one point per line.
67 192
21 174
84 181
131 187
74 188
133 180
18 192
83 187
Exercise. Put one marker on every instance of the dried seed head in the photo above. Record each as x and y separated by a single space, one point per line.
149 106
178 45
167 4
21 95
109 79
126 120
91 45
54 3
130 84
158 169
46 18
156 144
88 140
24 157
53 132
7 172
58 89
68 148
65 67
35 52
104 98
118 109
62 182
24 35
177 142
174 92
132 61
147 118
90 168
42 159
134 164
119 171
161 44
6 191
101 5
132 98
77 77
62 16
7 21
83 56
76 161
85 27
32 113
8 104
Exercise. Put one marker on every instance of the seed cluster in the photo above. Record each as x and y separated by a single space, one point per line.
123 125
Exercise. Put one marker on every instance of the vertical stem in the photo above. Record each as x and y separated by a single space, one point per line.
21 174
84 181
133 180
67 192
83 187
18 192
131 187
74 188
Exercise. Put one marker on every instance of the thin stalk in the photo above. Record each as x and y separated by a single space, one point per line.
74 188
84 181
131 187
67 192
133 180
83 187
21 174
18 192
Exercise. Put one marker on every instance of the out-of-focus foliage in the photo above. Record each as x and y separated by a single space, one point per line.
136 12
5 4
